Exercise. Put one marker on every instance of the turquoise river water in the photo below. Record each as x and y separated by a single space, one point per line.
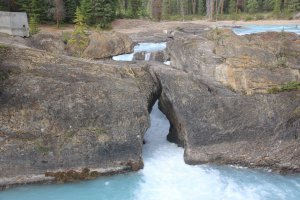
166 176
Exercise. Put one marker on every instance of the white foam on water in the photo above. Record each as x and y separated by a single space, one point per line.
167 62
147 56
249 29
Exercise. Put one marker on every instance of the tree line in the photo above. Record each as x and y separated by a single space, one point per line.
102 12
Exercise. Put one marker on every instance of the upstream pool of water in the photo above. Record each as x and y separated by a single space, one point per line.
167 177
249 29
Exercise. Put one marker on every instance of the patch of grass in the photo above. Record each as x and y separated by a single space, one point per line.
249 18
41 147
66 36
3 76
3 46
291 86
98 131
179 28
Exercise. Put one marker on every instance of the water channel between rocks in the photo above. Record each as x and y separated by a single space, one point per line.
166 176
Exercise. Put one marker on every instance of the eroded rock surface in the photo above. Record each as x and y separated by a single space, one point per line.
61 113
248 64
108 44
216 125
216 99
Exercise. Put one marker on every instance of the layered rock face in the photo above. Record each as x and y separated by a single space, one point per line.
61 113
249 64
205 99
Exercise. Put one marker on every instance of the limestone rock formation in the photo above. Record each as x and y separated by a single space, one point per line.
216 125
108 44
248 64
61 113
216 101
47 42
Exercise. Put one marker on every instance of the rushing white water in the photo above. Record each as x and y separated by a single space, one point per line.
147 56
249 29
148 47
166 176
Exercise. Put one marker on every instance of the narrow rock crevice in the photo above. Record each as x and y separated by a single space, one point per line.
177 131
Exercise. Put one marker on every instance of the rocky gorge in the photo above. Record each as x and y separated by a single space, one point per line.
60 113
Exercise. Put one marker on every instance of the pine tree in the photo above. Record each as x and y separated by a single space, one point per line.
104 12
232 6
252 6
201 7
33 25
268 5
79 39
277 7
293 6
136 7
70 6
86 10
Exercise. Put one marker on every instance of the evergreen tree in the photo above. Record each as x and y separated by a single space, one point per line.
232 6
136 7
33 25
252 6
70 6
104 12
268 5
293 6
86 10
79 39
201 7
277 7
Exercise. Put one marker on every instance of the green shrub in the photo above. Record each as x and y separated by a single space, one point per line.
66 36
79 39
291 86
248 18
259 17
33 25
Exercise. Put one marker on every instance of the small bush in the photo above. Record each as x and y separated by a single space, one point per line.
259 17
33 25
66 36
248 18
291 86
